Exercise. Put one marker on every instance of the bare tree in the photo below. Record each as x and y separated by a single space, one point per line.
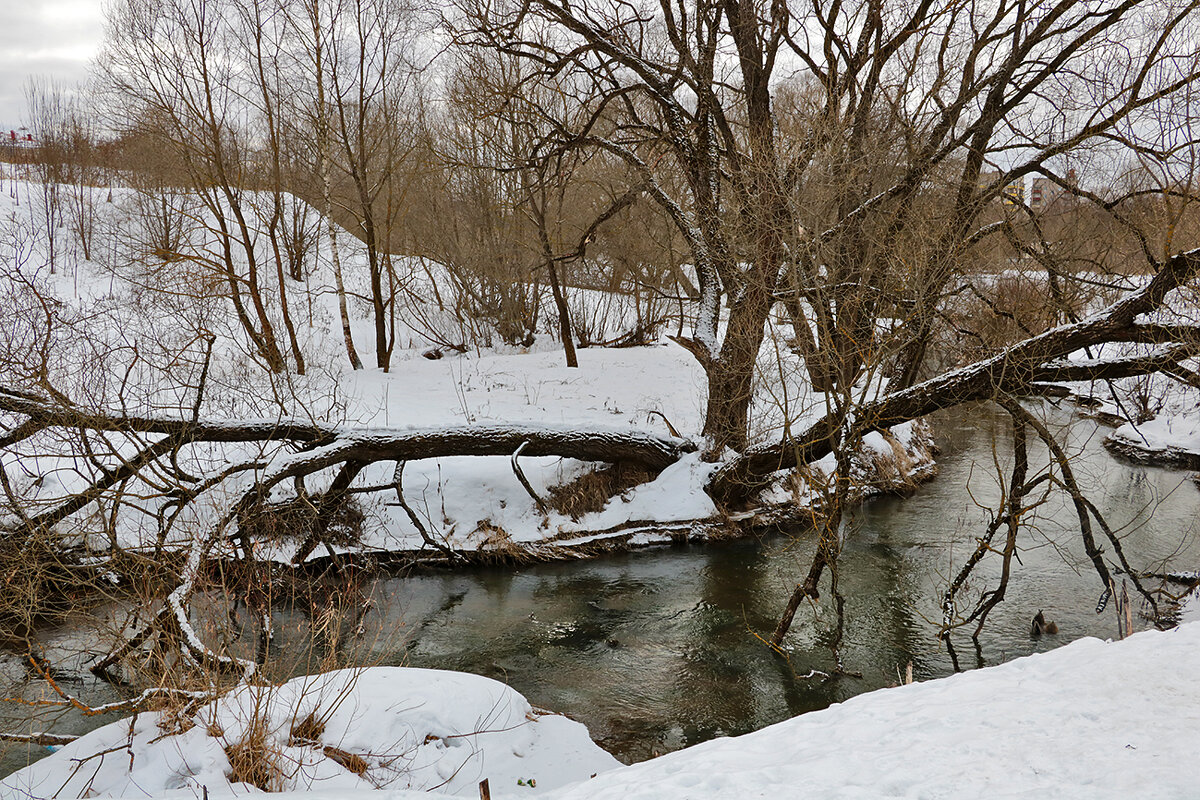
556 190
312 29
178 66
48 113
369 78
264 28
902 105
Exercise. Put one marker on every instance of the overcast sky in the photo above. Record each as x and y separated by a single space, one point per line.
55 38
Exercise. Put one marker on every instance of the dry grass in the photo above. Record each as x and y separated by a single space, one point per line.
176 717
590 491
253 760
307 730
496 546
42 585
298 519
351 761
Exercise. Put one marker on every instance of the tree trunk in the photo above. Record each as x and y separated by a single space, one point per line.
731 375
564 315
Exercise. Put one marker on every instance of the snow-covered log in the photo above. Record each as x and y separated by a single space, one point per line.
1013 371
363 444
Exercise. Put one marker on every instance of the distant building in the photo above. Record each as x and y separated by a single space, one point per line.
17 146
1012 194
1039 193
1044 191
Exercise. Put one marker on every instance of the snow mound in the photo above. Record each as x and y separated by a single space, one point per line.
385 727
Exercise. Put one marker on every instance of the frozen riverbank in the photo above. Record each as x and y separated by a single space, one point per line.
1091 719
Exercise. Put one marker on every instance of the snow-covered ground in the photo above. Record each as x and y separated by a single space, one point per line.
1089 720
386 727
1171 439
132 336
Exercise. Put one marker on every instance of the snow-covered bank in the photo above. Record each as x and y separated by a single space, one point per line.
1171 440
1089 720
401 728
1156 416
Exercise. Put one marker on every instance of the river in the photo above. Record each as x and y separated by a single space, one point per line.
662 648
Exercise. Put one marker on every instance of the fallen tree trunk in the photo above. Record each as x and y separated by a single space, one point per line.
366 444
319 447
1014 371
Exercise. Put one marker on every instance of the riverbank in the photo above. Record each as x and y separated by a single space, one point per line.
1091 719
1156 417
508 508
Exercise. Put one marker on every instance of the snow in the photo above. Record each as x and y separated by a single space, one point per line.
1169 437
1091 720
1167 411
415 729
669 498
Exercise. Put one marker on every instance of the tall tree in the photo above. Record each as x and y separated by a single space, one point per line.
180 65
950 100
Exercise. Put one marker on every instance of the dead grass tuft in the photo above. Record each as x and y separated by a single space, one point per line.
496 545
307 730
351 761
253 760
590 491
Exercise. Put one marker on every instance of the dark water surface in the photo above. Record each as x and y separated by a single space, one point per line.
662 648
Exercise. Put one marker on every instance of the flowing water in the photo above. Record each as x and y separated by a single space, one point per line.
662 648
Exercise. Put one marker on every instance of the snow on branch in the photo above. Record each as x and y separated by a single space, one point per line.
1010 371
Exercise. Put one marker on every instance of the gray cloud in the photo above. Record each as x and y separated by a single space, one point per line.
54 38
